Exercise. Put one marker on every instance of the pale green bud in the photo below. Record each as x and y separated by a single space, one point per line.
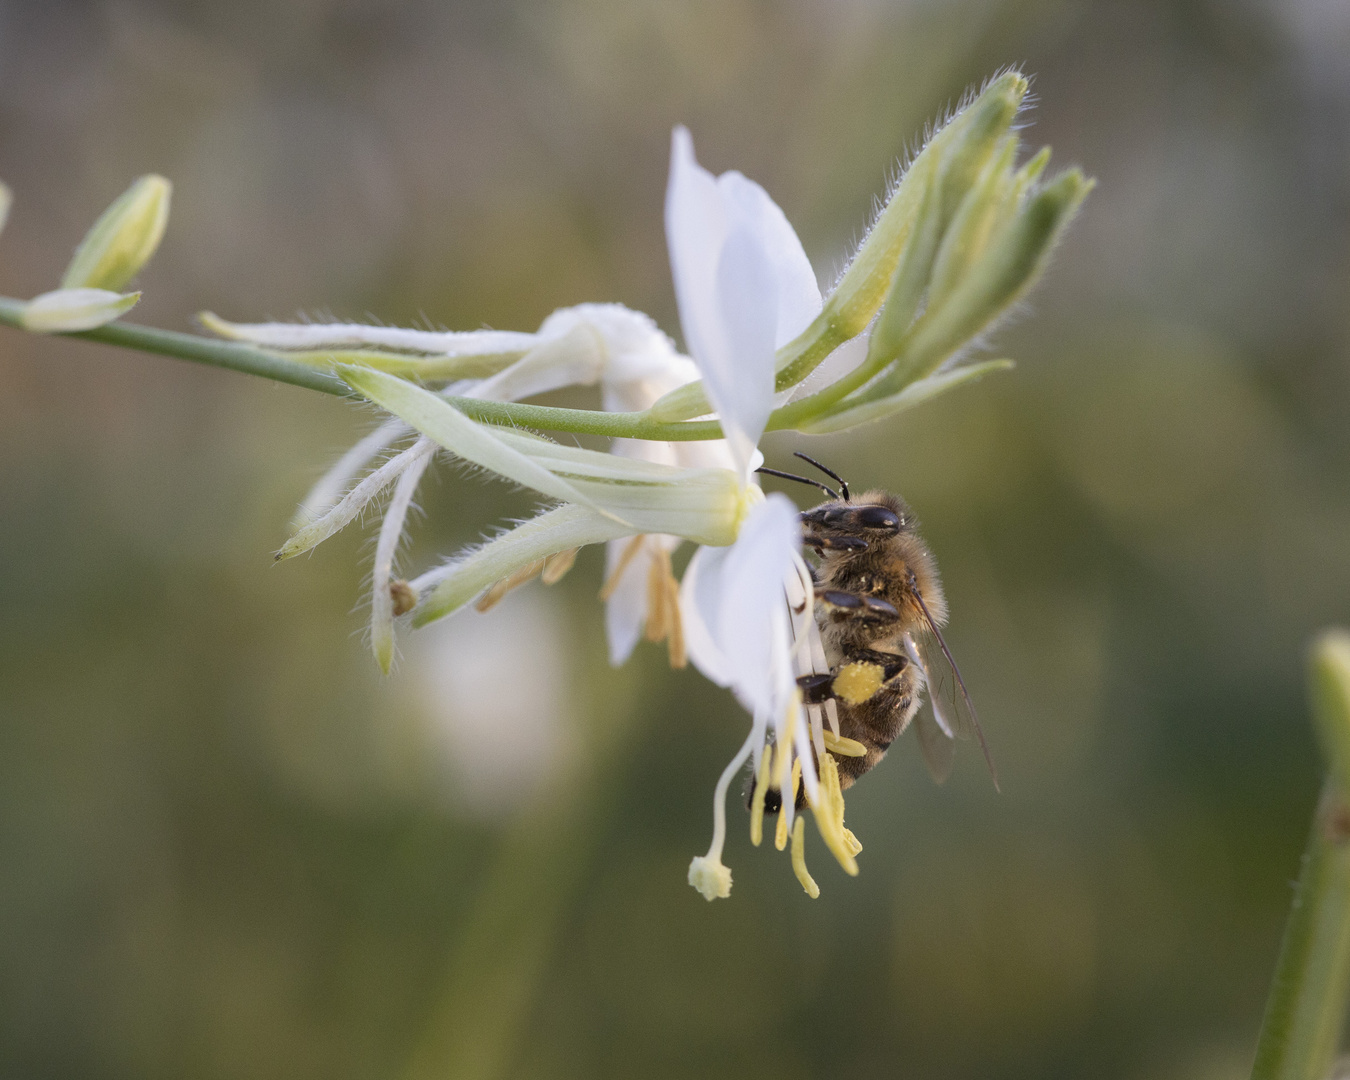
955 157
1008 266
123 239
1329 682
910 281
973 223
67 311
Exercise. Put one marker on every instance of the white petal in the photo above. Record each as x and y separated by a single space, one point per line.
68 311
574 358
740 379
700 613
340 335
753 625
795 285
626 607
734 608
741 280
696 229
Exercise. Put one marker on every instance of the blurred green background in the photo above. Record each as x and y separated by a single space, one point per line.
227 849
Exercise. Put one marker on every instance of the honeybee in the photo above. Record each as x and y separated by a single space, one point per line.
880 609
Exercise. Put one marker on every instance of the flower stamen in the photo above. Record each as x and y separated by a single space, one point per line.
494 594
799 859
780 837
625 560
757 799
556 566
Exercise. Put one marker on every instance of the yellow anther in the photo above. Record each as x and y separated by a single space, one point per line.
858 681
829 816
679 656
625 559
799 859
780 832
403 596
853 843
555 566
493 596
658 600
757 800
837 744
780 836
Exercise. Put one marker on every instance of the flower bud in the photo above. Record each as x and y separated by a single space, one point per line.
123 239
66 311
1007 267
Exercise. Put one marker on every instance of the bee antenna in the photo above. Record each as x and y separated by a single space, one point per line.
843 484
801 480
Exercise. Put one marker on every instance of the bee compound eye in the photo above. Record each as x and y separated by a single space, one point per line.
877 517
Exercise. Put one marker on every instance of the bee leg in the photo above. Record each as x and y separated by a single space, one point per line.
822 544
816 688
846 605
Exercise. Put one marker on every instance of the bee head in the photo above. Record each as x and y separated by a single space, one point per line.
873 516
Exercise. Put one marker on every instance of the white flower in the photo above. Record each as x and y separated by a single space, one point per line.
745 287
622 350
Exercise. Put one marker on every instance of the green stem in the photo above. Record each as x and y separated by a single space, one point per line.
251 361
226 354
1301 1032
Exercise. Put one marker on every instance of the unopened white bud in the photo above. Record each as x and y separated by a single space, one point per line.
66 311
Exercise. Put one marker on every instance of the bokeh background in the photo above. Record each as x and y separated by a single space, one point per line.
228 849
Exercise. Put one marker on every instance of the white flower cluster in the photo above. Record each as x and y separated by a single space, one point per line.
961 237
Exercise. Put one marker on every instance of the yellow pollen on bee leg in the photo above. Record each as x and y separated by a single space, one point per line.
625 559
493 596
857 682
555 566
757 799
780 836
799 859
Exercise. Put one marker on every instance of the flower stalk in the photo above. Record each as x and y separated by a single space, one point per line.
1305 1014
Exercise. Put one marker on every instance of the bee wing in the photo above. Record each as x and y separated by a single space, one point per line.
953 710
936 746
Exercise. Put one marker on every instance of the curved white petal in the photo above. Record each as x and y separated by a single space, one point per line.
743 285
749 310
734 608
626 607
795 287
